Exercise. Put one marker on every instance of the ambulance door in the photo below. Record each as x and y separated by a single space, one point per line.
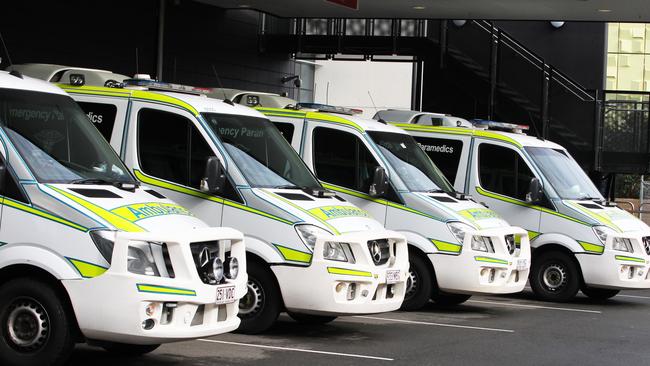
168 149
341 159
108 114
450 153
500 179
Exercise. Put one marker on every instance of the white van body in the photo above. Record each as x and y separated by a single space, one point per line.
607 248
75 221
426 219
421 118
287 228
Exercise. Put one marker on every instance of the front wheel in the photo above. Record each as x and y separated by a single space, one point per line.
311 319
419 284
598 293
554 276
35 326
445 299
261 305
130 349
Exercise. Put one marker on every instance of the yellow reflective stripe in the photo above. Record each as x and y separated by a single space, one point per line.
293 255
499 197
332 228
491 260
594 248
117 221
496 136
378 200
34 211
348 272
140 211
165 290
196 193
459 131
95 90
278 111
317 116
336 212
629 259
446 246
86 269
533 234
162 98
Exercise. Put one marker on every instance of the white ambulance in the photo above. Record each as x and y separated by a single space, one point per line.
310 252
457 247
579 240
87 253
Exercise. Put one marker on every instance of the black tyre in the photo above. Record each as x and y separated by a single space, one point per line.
445 299
35 326
419 284
311 319
261 305
600 294
130 349
555 276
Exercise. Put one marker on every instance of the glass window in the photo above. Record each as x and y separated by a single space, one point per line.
55 139
503 171
102 116
565 175
444 153
286 129
263 156
341 158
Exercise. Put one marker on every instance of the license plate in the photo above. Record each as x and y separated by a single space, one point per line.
522 264
392 276
225 295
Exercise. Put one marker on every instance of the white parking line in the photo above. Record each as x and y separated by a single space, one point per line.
534 306
435 324
634 296
297 350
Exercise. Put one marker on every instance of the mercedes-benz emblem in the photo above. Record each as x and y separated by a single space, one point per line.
375 251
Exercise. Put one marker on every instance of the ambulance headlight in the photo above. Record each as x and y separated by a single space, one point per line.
309 233
338 252
482 243
458 229
104 241
140 259
602 232
622 244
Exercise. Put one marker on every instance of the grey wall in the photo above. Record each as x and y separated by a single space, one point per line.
105 34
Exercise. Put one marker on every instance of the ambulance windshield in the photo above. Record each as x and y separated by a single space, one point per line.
412 164
57 141
261 153
565 175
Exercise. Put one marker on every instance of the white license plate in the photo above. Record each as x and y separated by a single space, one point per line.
225 295
392 276
522 264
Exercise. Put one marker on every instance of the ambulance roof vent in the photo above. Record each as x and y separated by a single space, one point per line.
499 126
145 81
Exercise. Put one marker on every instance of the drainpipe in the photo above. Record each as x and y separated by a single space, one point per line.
161 34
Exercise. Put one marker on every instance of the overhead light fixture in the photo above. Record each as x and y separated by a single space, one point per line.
459 22
244 6
605 10
419 7
557 24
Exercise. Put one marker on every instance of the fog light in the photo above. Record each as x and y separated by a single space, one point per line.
339 287
232 268
364 293
150 310
217 269
148 324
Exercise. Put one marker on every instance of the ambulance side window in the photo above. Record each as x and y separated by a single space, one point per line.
102 116
445 153
341 158
11 189
172 148
503 171
286 129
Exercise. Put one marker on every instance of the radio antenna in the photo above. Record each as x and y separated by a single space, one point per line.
372 101
530 117
225 97
4 46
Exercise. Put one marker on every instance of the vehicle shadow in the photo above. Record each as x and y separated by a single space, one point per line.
580 299
84 355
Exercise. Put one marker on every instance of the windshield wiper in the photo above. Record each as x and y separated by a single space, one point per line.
289 186
436 190
588 198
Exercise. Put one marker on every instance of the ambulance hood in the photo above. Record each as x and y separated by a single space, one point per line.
465 210
99 206
331 213
597 214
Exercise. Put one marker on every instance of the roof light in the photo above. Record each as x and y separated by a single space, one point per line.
330 108
501 126
143 80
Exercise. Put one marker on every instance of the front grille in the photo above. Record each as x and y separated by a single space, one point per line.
379 251
510 243
203 254
646 244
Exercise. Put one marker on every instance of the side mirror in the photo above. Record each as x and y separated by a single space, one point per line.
535 192
214 178
379 184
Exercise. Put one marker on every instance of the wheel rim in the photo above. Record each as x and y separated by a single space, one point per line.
554 277
412 283
253 301
27 325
